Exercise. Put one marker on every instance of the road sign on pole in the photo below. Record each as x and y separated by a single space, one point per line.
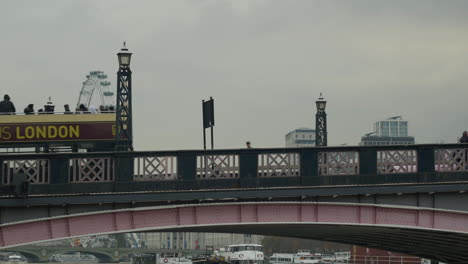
208 119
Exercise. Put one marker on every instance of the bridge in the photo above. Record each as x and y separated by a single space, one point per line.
105 255
411 199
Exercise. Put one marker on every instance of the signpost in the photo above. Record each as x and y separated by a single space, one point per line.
208 120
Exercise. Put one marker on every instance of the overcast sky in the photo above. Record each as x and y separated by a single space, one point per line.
264 62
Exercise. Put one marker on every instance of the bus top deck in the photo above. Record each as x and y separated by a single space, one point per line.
57 132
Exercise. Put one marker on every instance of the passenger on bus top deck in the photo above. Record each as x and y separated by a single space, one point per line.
83 109
93 109
29 110
6 106
67 109
49 107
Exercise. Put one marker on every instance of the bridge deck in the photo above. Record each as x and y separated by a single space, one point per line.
67 186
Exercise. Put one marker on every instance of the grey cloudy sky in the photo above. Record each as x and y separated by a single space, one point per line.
264 62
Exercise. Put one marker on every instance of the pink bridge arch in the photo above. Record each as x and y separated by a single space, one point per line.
231 214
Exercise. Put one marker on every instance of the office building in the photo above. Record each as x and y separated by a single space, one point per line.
188 240
301 137
391 131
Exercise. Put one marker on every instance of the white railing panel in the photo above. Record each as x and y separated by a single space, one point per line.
217 166
279 165
451 159
397 161
338 163
155 168
92 170
36 171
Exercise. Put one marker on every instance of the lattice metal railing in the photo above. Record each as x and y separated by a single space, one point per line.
451 159
217 166
155 168
278 165
91 170
34 171
338 163
397 161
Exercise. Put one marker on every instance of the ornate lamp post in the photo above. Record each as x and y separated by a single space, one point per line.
124 134
321 122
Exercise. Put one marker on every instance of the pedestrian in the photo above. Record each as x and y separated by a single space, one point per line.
464 138
29 110
247 144
6 106
67 109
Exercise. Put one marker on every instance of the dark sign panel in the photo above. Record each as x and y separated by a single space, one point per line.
208 113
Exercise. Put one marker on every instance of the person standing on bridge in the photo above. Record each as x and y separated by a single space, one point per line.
6 106
464 138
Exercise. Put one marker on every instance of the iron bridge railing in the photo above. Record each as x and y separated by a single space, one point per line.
236 168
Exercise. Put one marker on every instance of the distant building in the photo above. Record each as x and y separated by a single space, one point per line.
391 127
187 240
392 131
301 137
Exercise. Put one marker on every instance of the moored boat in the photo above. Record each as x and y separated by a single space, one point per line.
281 258
243 254
306 257
16 259
172 258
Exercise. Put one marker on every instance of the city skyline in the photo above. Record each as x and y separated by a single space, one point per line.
264 62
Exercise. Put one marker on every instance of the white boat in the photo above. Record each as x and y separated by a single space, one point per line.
342 257
16 259
74 258
281 258
306 257
243 254
172 258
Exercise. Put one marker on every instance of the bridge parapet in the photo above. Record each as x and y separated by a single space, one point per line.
234 168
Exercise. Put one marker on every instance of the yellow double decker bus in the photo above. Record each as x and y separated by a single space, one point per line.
57 132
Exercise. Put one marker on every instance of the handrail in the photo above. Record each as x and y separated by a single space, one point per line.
257 168
244 150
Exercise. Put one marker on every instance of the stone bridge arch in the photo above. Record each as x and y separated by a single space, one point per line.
431 233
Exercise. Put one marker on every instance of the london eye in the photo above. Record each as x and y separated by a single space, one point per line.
96 91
